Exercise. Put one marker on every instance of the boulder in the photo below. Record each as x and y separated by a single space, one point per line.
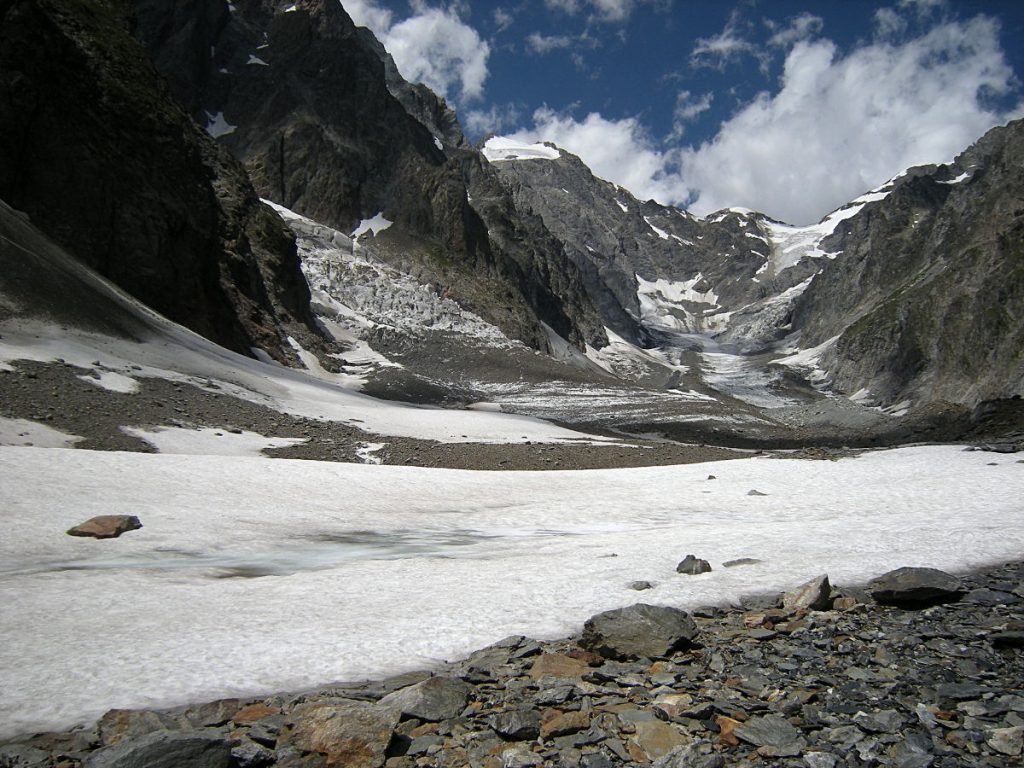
558 665
517 724
741 561
164 749
771 733
106 526
438 698
916 588
691 566
350 733
641 630
815 595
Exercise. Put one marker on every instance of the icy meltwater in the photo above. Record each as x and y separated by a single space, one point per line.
254 575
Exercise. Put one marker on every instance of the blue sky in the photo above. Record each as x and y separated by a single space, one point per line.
791 108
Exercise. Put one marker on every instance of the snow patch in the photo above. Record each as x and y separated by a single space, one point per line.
659 232
208 441
217 126
375 226
254 59
622 206
962 177
30 434
366 450
111 381
501 148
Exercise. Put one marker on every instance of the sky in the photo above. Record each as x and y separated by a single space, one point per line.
790 108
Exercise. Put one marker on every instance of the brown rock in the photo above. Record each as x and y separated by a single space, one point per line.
844 603
672 704
558 665
106 526
119 725
726 726
555 722
254 713
815 595
353 734
657 739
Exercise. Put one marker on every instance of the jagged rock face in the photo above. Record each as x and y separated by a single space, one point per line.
317 112
928 294
616 239
103 161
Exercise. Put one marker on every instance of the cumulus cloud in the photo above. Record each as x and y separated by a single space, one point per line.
842 125
724 48
799 28
542 44
620 151
838 125
688 108
480 122
433 46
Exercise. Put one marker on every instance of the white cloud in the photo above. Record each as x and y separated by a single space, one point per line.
604 10
799 28
542 44
502 19
433 46
842 125
838 126
888 23
725 47
620 151
480 122
688 108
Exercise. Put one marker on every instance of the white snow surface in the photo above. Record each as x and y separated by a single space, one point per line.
112 381
254 59
374 225
217 126
659 232
373 570
499 148
32 434
208 441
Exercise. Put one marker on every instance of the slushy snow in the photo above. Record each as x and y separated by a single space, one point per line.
260 575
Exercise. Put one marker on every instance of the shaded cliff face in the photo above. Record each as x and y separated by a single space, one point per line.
927 298
325 126
100 157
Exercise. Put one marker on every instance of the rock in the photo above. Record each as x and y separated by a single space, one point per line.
755 492
689 756
350 733
106 526
640 586
656 738
771 731
741 561
884 721
164 749
916 588
815 595
554 722
692 566
819 760
517 724
118 725
438 698
246 753
640 630
23 756
211 714
1007 741
844 603
558 665
1007 639
254 713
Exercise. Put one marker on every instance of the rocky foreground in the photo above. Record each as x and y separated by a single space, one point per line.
918 669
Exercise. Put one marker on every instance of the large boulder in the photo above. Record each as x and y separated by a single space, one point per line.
916 588
641 630
350 733
164 749
106 526
815 595
691 566
437 698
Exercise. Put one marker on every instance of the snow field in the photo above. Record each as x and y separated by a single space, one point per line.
372 570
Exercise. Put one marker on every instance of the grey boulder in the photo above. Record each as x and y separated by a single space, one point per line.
639 631
164 749
916 588
437 698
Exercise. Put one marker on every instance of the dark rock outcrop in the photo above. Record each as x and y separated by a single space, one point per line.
692 566
916 587
165 749
640 630
103 161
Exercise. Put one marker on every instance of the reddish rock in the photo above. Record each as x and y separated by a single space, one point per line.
353 734
254 713
106 526
554 722
558 665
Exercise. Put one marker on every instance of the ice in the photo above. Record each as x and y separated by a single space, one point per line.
500 148
24 433
375 226
208 441
372 570
217 126
742 378
809 360
673 305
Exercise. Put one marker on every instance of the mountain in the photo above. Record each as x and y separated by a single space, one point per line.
318 114
98 155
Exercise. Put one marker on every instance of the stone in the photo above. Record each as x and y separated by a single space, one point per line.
819 760
246 753
164 749
768 731
814 595
23 756
641 630
916 588
106 526
690 756
517 724
1007 639
254 713
741 561
437 698
755 492
882 721
1007 741
558 665
726 731
844 603
555 722
118 725
354 734
693 566
640 586
656 738
212 714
